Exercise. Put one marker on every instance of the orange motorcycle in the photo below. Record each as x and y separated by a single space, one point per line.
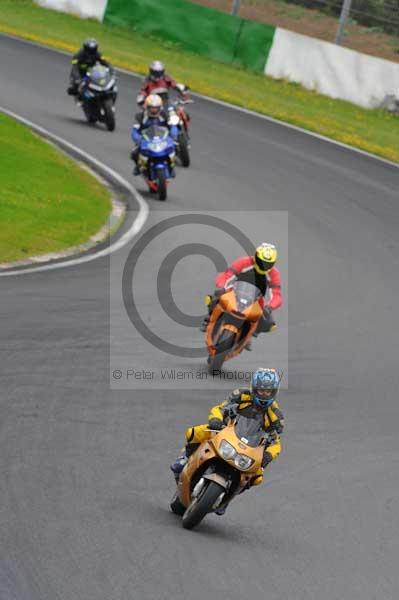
220 469
183 124
232 322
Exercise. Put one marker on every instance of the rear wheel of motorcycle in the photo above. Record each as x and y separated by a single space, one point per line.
201 505
224 345
162 185
184 154
109 114
176 506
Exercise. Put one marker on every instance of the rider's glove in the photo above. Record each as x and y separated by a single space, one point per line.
216 424
136 136
229 412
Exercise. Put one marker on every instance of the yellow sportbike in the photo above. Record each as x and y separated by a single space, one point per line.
220 468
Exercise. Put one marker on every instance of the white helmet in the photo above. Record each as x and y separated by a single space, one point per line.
157 70
153 104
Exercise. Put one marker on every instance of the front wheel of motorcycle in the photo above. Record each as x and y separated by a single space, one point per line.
89 113
201 505
162 184
109 114
223 346
184 153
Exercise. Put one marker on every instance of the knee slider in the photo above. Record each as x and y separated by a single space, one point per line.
190 432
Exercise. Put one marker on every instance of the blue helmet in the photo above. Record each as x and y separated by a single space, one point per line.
265 384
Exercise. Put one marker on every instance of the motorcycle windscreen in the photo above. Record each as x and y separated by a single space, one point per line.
100 75
250 429
155 131
246 294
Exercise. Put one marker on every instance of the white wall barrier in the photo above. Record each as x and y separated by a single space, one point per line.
83 8
332 70
317 65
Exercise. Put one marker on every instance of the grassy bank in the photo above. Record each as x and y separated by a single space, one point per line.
374 131
47 202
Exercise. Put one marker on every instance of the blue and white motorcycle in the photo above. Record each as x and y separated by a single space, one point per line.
157 158
97 95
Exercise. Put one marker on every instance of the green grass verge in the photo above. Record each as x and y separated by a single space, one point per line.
47 202
372 130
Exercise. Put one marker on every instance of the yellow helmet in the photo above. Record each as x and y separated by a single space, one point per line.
265 257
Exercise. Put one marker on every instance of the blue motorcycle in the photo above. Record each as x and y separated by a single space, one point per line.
157 159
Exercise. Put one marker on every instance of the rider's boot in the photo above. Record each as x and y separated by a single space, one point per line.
204 325
179 464
182 459
249 345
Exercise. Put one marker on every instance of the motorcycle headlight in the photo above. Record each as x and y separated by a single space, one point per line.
158 146
226 450
243 462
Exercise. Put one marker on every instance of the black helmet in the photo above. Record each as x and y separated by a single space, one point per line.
90 46
157 70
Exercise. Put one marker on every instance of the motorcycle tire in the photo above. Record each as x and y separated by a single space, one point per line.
184 153
162 191
224 345
176 506
89 114
201 505
109 115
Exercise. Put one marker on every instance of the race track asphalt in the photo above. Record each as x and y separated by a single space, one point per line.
85 483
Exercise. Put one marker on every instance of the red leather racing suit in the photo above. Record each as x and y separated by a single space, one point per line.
160 87
243 270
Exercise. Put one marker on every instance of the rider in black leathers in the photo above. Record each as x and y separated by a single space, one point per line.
82 61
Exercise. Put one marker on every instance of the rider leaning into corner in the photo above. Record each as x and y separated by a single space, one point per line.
158 82
259 270
88 55
259 398
154 113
